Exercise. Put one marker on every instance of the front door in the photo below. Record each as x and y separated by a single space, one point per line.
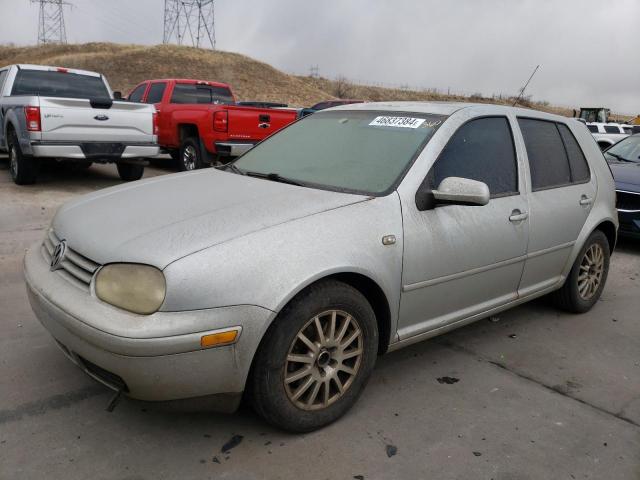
462 260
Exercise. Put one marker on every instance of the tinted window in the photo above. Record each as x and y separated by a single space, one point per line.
547 157
156 92
577 160
593 128
197 94
627 130
136 95
481 150
611 129
58 84
636 129
3 74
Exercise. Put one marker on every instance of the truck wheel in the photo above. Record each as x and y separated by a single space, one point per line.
24 169
130 171
315 359
190 156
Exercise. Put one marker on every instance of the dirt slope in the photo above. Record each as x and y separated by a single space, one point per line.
126 65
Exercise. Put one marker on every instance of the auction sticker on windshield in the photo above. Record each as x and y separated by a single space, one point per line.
400 122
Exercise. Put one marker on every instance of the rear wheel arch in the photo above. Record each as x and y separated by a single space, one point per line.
187 130
609 229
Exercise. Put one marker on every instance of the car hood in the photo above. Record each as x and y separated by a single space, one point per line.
626 175
162 219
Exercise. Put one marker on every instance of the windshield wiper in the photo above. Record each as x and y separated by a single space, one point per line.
232 167
276 177
619 157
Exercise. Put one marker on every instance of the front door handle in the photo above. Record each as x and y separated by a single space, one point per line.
518 216
584 201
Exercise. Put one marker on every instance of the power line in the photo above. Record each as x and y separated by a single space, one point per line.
189 22
51 26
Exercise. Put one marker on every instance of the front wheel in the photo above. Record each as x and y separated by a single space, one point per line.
585 282
316 358
130 171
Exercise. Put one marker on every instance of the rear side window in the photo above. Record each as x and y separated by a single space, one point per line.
577 161
58 84
593 128
611 129
628 130
3 74
136 95
156 92
184 93
482 150
547 157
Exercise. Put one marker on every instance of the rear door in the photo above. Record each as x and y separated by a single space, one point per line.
155 96
562 193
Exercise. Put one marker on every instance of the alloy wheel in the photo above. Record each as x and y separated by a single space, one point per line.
189 157
323 360
591 270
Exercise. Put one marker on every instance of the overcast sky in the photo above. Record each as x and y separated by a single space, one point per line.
587 49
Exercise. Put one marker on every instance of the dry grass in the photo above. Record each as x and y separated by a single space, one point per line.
127 65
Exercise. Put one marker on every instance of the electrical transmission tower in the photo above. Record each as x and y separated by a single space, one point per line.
51 27
189 22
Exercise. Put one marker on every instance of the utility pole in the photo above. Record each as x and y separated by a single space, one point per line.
189 22
525 86
51 27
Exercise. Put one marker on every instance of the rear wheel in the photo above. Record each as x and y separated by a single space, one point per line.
316 358
587 278
130 171
23 169
190 155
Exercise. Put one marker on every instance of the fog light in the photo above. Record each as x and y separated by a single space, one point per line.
218 339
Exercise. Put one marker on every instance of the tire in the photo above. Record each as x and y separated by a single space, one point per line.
584 285
273 395
23 169
130 172
190 156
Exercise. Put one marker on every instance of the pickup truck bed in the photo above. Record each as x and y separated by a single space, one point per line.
199 122
56 113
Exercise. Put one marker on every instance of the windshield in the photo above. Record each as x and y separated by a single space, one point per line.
353 151
59 84
627 150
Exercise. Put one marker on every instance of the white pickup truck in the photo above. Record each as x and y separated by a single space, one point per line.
607 134
60 113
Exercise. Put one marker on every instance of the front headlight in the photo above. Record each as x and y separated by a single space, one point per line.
130 286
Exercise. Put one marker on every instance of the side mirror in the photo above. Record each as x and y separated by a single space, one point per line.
117 95
461 191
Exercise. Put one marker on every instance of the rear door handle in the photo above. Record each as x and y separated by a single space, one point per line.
518 216
584 200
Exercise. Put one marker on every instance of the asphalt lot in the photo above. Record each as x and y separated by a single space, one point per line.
541 394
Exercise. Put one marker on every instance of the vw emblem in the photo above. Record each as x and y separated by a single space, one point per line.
101 118
58 255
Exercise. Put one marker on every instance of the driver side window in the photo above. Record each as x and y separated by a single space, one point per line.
481 150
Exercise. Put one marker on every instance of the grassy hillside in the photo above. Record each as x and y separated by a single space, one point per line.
126 65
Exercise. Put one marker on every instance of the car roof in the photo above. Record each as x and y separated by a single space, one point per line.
44 68
448 108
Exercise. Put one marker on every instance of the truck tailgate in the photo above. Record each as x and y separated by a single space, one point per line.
246 123
70 119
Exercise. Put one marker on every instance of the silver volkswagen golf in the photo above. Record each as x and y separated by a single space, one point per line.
356 231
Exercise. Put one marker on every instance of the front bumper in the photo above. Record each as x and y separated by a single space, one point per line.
94 151
629 223
156 357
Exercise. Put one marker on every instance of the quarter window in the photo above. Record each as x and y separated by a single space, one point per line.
156 92
577 161
481 150
611 129
136 95
547 157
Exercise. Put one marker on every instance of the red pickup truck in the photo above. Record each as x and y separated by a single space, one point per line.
199 122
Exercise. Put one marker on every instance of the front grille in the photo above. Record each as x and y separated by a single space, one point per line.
627 201
75 268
